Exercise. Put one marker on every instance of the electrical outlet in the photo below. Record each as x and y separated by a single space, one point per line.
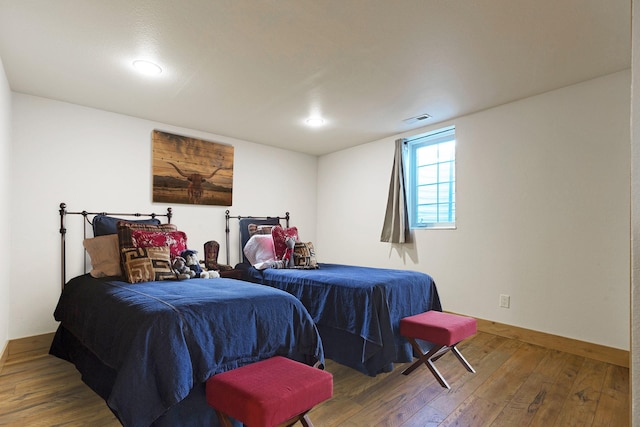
504 300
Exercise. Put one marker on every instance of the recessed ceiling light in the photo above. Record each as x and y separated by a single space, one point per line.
314 121
147 67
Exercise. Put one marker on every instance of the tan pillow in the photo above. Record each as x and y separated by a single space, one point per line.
105 255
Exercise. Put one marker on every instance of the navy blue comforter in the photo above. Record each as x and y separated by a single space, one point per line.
358 309
163 338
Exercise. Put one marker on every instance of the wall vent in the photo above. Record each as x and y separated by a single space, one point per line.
417 118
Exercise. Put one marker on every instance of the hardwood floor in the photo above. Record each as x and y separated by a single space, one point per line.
515 384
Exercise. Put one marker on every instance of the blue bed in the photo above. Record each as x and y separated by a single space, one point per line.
357 309
148 348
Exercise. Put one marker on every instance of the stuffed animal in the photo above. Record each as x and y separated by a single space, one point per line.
181 269
210 274
288 258
191 258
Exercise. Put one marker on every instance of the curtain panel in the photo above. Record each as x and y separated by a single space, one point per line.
396 220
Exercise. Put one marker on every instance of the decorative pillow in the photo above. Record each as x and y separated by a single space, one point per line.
304 255
104 254
124 229
147 264
279 235
259 249
259 229
175 240
244 230
103 224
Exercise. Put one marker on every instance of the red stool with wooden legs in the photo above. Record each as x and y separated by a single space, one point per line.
444 330
273 392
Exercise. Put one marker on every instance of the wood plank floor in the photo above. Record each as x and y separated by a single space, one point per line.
515 384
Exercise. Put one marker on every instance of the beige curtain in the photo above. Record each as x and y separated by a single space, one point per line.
396 220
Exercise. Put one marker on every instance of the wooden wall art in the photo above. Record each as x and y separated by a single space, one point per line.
191 171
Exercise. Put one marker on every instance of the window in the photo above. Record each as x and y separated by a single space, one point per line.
431 169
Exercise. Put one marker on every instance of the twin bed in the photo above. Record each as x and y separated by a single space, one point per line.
147 348
357 309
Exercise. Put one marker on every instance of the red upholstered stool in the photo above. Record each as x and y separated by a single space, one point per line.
273 392
445 330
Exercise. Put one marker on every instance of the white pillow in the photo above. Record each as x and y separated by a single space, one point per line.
259 249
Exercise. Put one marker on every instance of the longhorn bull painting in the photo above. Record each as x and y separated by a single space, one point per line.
190 170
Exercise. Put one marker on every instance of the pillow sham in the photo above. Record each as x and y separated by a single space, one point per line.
104 224
104 254
259 249
279 236
244 230
175 240
124 229
304 256
147 264
259 229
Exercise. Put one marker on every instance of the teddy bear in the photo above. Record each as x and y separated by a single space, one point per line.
191 258
181 269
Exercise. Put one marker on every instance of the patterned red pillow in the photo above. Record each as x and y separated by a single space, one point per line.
279 236
124 229
175 240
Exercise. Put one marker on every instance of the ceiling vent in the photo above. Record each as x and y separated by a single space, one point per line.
417 119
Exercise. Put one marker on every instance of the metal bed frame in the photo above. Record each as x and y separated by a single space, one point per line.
227 217
63 231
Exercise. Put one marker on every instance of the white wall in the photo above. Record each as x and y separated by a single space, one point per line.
94 160
5 199
542 213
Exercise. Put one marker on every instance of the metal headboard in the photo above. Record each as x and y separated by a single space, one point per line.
63 231
227 216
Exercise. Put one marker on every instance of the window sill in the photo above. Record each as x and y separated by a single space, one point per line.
437 227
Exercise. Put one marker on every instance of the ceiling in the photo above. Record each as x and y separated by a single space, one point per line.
256 69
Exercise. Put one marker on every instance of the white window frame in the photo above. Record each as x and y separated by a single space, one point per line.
412 144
